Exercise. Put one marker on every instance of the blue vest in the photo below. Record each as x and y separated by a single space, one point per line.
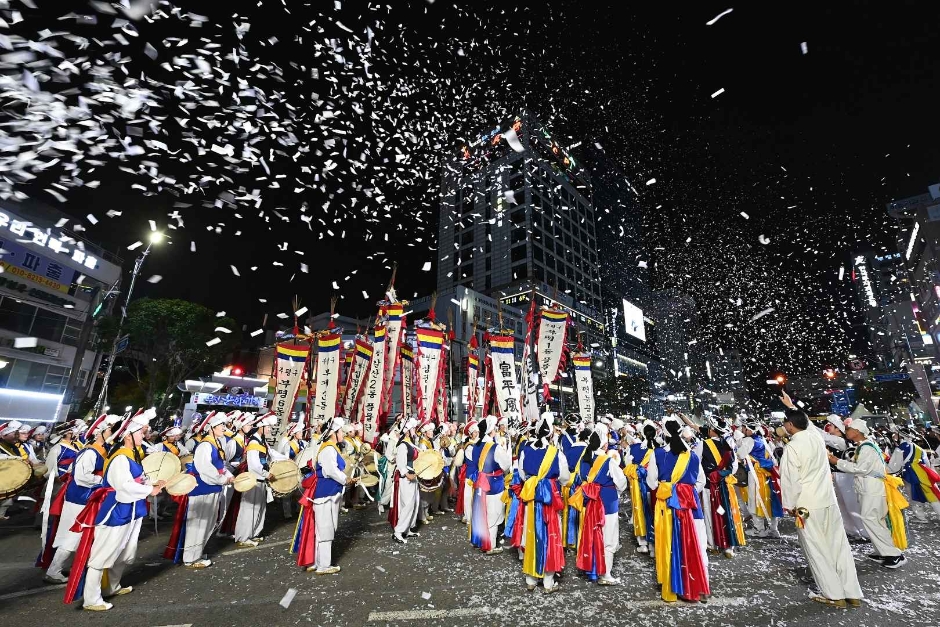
638 452
325 485
573 455
202 488
533 461
497 483
759 451
77 494
65 454
114 514
609 495
471 464
666 462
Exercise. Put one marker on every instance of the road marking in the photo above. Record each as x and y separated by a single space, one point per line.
429 614
18 566
262 545
31 591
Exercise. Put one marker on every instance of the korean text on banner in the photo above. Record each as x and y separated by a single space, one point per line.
291 360
372 394
407 380
357 377
327 377
551 342
393 331
428 363
585 386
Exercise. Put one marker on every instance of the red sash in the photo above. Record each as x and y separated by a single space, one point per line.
461 484
393 506
85 525
591 557
307 527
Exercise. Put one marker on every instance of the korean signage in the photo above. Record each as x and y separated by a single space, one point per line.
229 400
291 363
25 232
38 269
324 405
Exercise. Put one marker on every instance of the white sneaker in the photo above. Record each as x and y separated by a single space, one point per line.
645 550
55 578
607 580
773 534
246 544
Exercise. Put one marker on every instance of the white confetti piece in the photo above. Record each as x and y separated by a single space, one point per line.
761 314
426 267
745 216
365 294
222 330
91 219
155 279
135 245
425 595
804 47
234 270
25 342
651 181
718 17
763 239
513 140
380 569
288 598
213 341
301 311
256 333
718 93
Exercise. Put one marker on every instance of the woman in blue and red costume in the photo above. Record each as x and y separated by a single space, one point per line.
598 500
463 480
110 522
910 459
85 479
492 461
543 469
763 483
320 503
674 473
66 446
198 513
573 444
636 462
723 523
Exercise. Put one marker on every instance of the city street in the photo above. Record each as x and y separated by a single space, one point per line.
438 580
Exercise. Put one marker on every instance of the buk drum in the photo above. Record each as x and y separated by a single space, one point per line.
286 477
15 473
431 485
429 466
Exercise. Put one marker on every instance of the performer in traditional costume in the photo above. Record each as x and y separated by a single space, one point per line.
879 496
320 504
290 445
723 523
763 484
85 477
922 480
675 475
11 445
597 499
467 473
110 521
38 443
253 505
641 500
66 445
491 461
404 513
807 492
543 470
574 447
198 514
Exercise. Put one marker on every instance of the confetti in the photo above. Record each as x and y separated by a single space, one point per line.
213 341
718 93
288 598
25 342
256 333
718 17
155 279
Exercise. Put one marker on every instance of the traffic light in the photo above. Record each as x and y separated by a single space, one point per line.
237 371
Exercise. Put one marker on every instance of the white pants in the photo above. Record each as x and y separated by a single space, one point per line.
4 506
409 501
874 509
201 518
495 514
922 511
611 541
467 500
702 547
326 511
251 512
227 493
549 579
705 500
849 507
827 550
762 520
113 549
59 560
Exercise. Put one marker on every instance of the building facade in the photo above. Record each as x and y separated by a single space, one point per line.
51 282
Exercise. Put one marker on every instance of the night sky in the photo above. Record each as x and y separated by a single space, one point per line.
808 145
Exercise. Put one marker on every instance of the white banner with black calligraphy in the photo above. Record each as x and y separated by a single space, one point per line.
584 384
357 378
428 362
503 364
551 343
291 360
327 377
371 402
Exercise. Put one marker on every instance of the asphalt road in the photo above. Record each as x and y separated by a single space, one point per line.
438 580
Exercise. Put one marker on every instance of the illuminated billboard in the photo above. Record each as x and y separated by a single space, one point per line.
633 321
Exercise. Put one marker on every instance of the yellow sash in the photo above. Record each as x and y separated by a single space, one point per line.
129 453
663 525
896 503
171 447
577 499
732 495
487 447
255 445
527 496
636 494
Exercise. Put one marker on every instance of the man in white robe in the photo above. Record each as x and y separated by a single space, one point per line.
202 514
254 503
869 472
409 497
807 492
327 500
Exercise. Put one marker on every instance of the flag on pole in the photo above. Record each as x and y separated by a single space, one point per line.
551 343
327 376
502 357
291 360
372 393
357 377
428 361
407 380
585 386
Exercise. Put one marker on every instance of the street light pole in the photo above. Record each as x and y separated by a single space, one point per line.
155 237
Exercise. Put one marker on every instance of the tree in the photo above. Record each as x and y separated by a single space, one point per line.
168 344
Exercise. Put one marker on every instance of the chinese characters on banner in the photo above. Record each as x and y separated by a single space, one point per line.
585 386
442 401
407 380
372 394
502 358
551 342
291 359
428 363
357 377
327 376
394 329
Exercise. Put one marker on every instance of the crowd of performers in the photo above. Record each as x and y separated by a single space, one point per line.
551 493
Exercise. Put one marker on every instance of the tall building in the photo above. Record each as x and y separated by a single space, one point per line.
51 282
516 217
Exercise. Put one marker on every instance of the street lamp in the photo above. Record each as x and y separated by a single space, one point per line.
155 238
